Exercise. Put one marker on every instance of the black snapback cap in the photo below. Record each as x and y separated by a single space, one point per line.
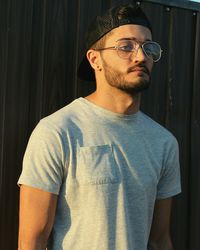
111 19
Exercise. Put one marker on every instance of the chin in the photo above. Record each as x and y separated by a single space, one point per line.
139 79
135 87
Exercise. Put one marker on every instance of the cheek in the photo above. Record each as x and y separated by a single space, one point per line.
150 65
116 65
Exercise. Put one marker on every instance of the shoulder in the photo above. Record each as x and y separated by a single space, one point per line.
62 118
154 127
158 134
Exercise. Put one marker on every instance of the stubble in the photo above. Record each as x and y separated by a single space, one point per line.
117 79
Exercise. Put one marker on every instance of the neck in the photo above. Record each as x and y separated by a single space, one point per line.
116 101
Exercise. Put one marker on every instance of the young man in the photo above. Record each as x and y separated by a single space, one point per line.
99 174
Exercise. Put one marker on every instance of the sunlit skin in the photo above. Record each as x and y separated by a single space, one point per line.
117 79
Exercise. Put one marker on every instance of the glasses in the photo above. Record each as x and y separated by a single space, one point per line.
127 48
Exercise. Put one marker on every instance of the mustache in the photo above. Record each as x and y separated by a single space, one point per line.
139 67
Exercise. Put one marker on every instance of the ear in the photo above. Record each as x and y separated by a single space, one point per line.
94 59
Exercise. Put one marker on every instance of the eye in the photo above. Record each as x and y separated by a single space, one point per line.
126 46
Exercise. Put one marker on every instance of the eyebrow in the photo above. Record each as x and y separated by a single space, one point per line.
131 38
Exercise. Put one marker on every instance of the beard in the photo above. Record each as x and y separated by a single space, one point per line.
117 79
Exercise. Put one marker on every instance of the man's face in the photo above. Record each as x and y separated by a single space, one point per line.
130 74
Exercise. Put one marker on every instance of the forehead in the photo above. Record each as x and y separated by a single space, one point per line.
138 32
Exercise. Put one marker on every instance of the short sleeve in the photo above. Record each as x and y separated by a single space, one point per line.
169 183
44 161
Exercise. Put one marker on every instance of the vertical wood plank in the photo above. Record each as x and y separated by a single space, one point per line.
194 189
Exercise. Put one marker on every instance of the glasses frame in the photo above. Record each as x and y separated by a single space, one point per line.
117 48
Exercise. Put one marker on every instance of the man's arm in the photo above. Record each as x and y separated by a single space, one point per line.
36 217
159 238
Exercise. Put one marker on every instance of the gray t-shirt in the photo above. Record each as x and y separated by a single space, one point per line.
107 169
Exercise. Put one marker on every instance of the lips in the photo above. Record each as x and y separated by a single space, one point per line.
139 69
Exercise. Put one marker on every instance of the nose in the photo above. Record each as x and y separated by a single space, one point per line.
139 55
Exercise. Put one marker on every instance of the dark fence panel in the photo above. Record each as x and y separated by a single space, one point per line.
15 53
194 165
41 43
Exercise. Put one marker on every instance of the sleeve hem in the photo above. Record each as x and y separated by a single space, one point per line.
46 188
169 194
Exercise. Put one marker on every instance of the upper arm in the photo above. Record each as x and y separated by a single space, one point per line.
36 217
160 229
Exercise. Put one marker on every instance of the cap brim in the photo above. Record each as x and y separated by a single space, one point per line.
85 71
